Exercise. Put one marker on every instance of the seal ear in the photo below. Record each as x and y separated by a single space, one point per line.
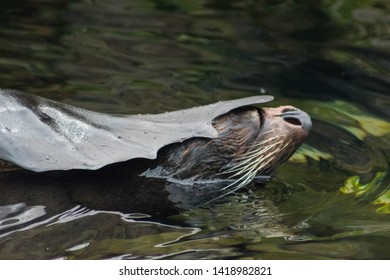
41 135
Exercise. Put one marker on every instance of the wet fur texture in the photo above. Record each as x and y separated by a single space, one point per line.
251 142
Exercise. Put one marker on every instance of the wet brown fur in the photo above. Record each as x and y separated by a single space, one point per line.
242 133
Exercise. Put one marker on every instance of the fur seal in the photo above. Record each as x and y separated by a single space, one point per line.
208 151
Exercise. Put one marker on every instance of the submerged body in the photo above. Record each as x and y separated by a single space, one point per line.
249 144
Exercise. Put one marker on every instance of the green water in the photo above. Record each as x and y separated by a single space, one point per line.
330 58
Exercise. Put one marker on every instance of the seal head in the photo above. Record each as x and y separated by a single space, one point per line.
251 144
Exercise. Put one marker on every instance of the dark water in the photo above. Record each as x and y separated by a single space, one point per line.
329 58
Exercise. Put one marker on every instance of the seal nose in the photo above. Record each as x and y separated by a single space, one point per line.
297 117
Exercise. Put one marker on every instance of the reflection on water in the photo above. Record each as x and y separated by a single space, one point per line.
18 214
331 59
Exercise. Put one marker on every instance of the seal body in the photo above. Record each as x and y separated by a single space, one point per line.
250 143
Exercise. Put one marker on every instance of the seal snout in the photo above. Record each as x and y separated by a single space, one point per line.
296 117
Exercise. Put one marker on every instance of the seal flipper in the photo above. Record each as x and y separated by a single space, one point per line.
42 135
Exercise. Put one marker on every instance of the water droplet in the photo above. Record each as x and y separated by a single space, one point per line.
146 131
103 145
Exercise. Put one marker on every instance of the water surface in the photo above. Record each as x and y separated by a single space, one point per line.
329 58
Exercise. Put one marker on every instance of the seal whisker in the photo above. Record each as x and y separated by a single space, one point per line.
244 165
255 165
279 150
255 153
263 142
244 179
255 161
246 171
252 155
250 173
259 151
241 168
